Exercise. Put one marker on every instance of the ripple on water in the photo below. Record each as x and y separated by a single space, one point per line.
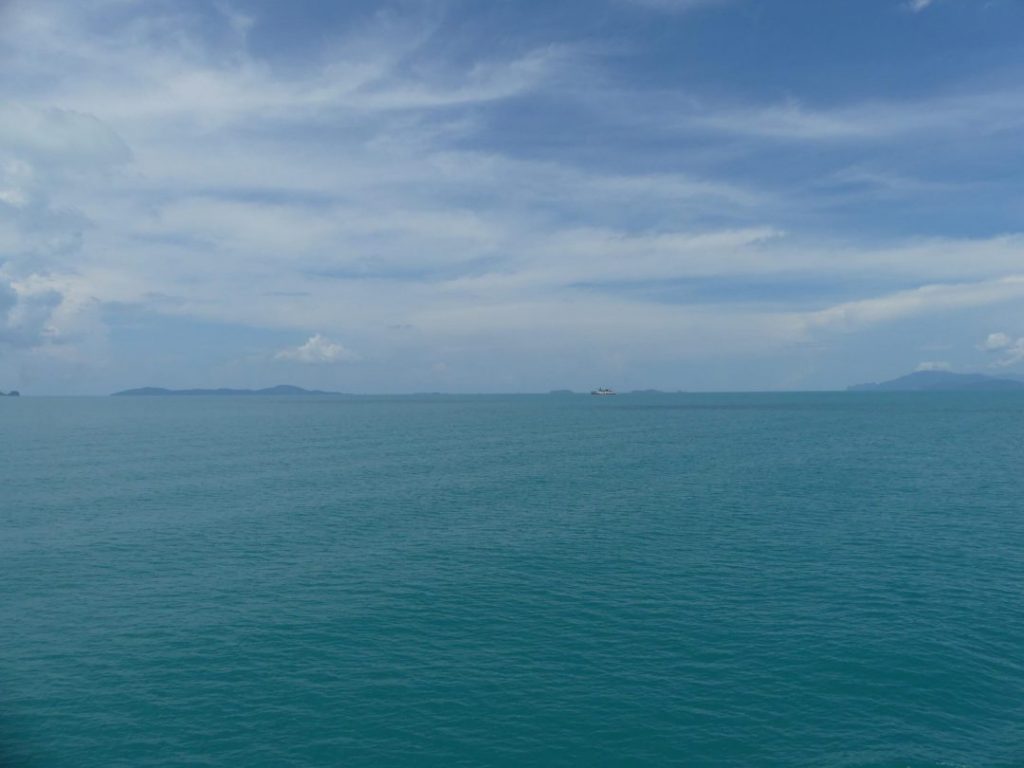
792 580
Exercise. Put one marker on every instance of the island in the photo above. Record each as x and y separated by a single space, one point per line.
12 393
281 389
942 381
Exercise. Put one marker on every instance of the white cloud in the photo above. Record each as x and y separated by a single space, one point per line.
919 5
338 193
52 136
971 112
155 67
317 349
933 365
1011 350
996 341
928 299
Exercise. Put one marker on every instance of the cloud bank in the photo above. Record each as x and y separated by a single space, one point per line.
536 213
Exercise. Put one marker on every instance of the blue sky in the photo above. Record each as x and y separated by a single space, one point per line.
509 196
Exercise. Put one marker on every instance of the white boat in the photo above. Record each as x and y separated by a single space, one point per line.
602 392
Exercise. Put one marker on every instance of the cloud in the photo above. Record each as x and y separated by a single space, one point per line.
1014 354
317 349
927 299
885 184
51 136
996 341
1011 350
26 316
933 365
919 5
975 112
197 71
376 182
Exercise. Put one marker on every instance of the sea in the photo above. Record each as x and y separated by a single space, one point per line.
825 579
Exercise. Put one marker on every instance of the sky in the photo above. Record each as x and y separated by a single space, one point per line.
509 196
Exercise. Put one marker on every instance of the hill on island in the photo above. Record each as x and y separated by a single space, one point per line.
281 389
941 381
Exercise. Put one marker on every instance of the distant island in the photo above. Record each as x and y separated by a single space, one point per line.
12 393
561 392
281 389
941 381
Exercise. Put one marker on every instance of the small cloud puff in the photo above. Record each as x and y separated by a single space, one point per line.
996 341
318 349
933 365
1011 350
919 5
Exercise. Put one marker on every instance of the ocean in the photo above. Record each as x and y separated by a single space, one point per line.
829 579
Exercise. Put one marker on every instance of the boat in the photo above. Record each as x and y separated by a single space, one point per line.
602 392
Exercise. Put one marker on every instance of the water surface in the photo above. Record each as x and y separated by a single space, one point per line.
719 580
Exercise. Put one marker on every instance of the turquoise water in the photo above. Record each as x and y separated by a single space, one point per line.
719 580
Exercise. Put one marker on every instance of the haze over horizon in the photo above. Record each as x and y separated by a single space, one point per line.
508 197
